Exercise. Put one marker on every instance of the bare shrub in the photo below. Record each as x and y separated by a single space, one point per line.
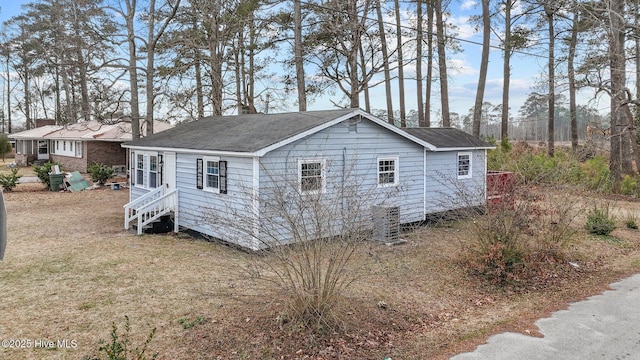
307 241
554 228
517 233
499 251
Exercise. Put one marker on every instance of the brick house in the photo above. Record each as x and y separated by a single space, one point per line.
76 146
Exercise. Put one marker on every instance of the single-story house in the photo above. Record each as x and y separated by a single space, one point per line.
225 176
75 146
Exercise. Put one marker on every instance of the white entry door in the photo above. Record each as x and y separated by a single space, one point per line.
170 170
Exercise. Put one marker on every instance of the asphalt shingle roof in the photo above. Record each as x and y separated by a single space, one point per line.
250 133
88 130
241 133
447 138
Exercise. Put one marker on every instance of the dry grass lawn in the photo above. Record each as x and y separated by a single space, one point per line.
70 271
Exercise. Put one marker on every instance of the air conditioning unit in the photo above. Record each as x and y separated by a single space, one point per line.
386 223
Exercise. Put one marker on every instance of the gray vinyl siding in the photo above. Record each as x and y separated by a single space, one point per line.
352 161
135 192
445 191
427 183
223 216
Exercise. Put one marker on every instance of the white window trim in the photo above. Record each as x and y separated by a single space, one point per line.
69 148
469 174
206 188
146 170
396 173
78 150
323 175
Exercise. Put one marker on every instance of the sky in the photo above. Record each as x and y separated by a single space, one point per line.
463 69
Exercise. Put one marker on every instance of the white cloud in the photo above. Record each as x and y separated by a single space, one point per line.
469 4
460 67
465 29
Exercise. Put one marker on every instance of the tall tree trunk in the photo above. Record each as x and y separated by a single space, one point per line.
197 67
552 98
419 58
399 49
442 64
8 74
133 69
365 85
152 41
356 31
484 67
299 56
385 59
506 71
636 119
56 85
252 70
429 84
199 92
239 78
27 91
571 72
82 67
617 64
151 71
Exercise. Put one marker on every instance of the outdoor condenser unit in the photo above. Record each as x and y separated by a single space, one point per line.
386 223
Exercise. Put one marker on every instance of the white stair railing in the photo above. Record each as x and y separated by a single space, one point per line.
150 207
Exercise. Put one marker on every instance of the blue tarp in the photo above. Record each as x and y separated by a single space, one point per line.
77 182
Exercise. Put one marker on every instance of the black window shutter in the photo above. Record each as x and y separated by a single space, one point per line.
160 169
132 168
199 173
223 176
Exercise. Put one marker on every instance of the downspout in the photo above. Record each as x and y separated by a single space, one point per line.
424 185
344 176
485 175
256 203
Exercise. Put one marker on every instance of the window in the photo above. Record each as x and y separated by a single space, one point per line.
140 170
388 171
464 165
212 175
146 170
78 148
311 176
153 171
43 147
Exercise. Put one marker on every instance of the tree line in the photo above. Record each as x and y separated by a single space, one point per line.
109 60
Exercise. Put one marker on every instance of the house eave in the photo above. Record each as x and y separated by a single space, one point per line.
190 151
463 148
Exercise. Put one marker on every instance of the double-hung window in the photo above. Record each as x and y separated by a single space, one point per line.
153 171
78 149
464 165
140 169
212 175
312 175
146 172
387 171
